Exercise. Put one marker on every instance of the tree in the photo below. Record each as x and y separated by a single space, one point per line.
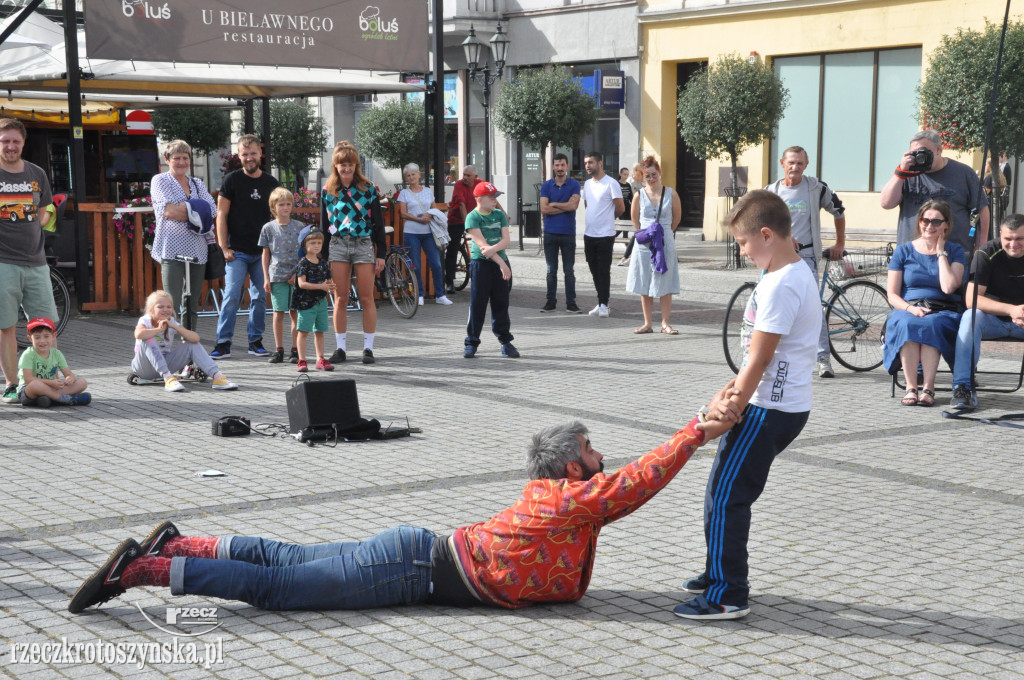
393 135
545 107
298 137
729 107
957 90
205 129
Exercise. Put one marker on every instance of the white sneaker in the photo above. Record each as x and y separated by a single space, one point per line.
442 300
825 368
595 311
603 311
421 301
172 384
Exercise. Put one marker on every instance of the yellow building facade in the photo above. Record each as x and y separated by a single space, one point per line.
885 36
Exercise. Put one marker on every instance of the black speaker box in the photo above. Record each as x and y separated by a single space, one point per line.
322 403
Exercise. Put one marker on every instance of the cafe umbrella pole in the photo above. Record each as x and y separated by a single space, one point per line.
77 152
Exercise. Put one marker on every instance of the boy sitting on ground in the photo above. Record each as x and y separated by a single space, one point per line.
38 366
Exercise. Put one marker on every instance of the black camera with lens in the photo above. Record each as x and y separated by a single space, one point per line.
923 158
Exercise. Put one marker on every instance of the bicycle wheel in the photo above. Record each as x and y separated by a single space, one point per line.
402 289
62 300
856 325
461 268
732 329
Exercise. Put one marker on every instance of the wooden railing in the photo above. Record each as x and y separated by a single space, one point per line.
123 270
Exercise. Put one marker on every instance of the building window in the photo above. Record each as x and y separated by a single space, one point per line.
861 107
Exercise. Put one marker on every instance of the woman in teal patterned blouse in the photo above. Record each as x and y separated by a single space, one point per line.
350 212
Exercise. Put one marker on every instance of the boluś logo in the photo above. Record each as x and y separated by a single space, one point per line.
374 26
143 10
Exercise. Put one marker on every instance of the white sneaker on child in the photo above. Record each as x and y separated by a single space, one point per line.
603 311
595 311
442 300
421 301
172 384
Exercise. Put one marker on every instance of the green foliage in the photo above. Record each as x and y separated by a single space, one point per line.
729 107
392 134
957 89
541 107
298 136
205 129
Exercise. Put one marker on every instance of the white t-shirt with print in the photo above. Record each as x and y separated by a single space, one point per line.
600 198
163 342
786 302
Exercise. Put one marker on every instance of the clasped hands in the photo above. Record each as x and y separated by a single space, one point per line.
722 412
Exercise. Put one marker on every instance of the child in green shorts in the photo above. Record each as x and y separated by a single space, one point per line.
279 263
312 284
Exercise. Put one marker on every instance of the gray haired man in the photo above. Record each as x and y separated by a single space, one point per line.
940 179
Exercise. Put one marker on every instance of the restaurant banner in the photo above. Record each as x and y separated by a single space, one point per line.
388 35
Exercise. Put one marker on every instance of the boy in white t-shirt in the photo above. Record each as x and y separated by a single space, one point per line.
764 408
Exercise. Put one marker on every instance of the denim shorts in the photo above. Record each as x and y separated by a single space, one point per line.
352 249
280 295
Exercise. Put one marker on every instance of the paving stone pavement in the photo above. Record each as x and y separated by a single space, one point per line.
887 543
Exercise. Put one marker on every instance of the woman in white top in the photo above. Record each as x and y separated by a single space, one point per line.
414 203
642 278
173 236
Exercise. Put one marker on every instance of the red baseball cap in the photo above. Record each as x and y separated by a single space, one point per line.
41 322
485 189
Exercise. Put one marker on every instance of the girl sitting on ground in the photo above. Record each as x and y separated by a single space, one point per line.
156 357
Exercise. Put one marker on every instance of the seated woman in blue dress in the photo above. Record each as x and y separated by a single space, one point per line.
924 289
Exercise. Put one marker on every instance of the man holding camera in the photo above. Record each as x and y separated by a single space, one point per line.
923 174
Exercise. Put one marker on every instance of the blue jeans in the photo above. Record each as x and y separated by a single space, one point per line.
487 287
391 568
234 276
426 242
987 327
566 245
823 333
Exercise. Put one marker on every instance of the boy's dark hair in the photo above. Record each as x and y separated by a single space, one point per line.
760 208
559 157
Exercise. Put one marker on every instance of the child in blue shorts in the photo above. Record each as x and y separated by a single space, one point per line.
280 259
312 284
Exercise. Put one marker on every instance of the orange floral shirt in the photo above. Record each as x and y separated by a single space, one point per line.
542 548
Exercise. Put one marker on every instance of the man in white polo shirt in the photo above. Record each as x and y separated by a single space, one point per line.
602 198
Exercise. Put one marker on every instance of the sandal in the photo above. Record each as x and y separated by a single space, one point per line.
927 398
910 399
668 330
642 330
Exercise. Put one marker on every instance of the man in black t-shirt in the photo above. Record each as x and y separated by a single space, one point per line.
242 209
998 271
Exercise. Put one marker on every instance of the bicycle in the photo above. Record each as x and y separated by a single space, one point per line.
397 283
461 276
61 298
855 314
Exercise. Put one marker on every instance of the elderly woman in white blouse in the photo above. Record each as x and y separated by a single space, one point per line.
174 236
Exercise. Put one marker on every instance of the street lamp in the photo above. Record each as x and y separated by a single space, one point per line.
499 48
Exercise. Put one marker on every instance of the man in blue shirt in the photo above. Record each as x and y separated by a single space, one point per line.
559 198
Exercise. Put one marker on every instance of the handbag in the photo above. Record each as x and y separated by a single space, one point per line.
215 263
